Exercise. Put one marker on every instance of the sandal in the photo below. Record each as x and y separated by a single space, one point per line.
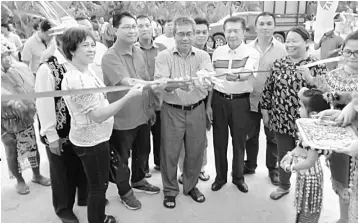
44 181
203 176
278 193
22 188
169 202
197 195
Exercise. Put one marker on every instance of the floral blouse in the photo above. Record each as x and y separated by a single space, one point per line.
84 132
280 95
338 80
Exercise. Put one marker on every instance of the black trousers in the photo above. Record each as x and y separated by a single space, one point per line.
155 129
137 140
252 145
67 174
233 114
95 160
285 143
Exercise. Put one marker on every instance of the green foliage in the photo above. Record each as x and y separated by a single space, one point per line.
26 13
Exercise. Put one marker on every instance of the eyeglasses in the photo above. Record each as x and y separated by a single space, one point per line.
348 53
128 28
182 35
144 26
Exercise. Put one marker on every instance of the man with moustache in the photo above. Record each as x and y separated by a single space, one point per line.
182 113
125 64
200 39
150 50
229 102
270 50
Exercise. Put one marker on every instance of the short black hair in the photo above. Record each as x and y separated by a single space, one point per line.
143 17
81 18
181 21
72 37
117 18
314 101
351 36
45 25
167 21
266 14
94 17
200 20
236 19
36 26
6 25
301 31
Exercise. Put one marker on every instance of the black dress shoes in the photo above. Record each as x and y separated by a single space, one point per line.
217 186
242 187
68 217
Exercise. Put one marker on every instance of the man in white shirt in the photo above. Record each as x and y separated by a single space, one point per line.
230 102
36 45
270 50
167 39
66 169
102 27
11 37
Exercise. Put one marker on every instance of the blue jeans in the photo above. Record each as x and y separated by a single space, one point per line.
95 161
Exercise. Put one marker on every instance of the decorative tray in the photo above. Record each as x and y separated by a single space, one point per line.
325 135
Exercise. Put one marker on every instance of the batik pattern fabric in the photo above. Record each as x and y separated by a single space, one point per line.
280 95
343 168
26 149
353 202
63 117
17 116
309 191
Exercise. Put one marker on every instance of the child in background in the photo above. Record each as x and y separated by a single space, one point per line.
305 161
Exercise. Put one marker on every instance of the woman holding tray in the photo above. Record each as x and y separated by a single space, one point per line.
341 82
347 116
280 102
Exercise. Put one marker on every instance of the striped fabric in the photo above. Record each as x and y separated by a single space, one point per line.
236 64
307 218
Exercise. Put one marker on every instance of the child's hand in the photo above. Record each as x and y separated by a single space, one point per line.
286 160
347 116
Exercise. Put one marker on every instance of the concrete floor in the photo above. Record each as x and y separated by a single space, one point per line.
228 205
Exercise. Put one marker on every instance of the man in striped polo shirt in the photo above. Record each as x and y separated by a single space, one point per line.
230 101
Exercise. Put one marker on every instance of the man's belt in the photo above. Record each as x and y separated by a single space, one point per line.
232 96
187 107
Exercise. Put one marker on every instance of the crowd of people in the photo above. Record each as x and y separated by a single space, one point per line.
246 83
